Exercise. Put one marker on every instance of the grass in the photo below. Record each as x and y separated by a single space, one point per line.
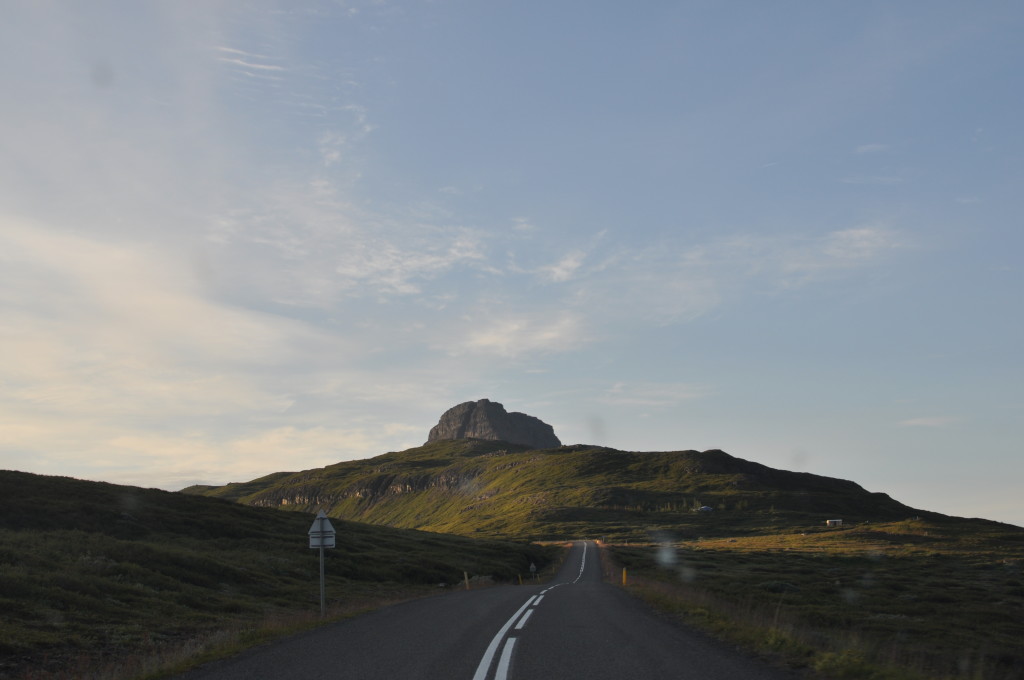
488 488
906 600
154 659
95 577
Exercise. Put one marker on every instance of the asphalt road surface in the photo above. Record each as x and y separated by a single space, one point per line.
575 626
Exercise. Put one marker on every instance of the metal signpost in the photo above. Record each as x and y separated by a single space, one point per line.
321 535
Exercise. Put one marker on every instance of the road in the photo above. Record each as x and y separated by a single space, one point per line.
575 626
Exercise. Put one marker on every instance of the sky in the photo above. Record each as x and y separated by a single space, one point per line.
246 236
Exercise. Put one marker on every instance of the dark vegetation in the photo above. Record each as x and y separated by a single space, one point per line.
93 572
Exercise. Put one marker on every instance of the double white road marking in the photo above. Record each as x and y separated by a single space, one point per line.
522 615
506 654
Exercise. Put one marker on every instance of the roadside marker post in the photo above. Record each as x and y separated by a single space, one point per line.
321 535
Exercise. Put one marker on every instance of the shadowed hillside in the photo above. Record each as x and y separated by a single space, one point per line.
92 571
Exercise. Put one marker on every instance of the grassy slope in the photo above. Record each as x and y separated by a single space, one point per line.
102 569
939 598
485 488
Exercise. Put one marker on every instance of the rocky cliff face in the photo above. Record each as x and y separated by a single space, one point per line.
485 419
371 490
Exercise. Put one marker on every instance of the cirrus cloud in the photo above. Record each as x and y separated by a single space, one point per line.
929 421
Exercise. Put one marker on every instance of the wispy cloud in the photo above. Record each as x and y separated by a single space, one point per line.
871 148
658 289
564 269
251 65
524 224
118 349
308 245
388 267
671 282
856 245
239 53
929 421
676 283
802 260
119 358
650 394
332 144
520 335
107 316
880 180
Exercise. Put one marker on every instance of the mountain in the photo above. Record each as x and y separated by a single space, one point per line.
488 488
485 419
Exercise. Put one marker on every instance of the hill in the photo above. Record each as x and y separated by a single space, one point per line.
489 488
93 572
731 546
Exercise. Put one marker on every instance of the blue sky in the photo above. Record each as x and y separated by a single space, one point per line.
244 237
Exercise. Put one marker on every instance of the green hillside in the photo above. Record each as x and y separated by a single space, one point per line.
488 488
92 571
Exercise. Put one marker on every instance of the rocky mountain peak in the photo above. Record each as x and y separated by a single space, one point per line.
486 419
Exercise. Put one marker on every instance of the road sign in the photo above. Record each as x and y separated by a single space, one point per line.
321 534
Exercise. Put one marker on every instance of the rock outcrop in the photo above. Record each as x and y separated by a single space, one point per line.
487 419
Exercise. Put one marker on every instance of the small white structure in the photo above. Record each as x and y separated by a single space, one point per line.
833 522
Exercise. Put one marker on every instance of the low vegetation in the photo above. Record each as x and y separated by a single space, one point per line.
912 600
489 488
98 580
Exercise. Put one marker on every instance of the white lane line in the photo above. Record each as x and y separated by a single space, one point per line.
526 617
505 660
501 673
583 564
488 657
